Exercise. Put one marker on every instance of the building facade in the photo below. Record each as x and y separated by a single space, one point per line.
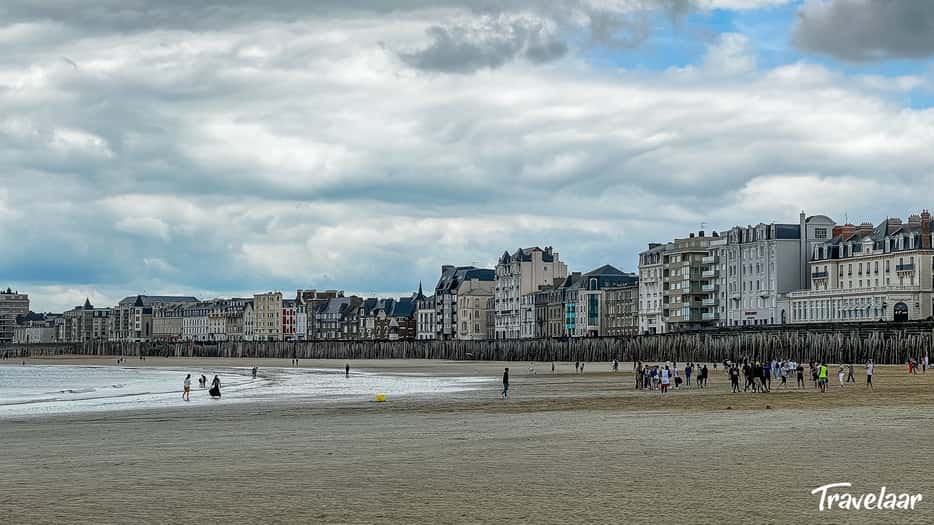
870 273
592 308
685 284
622 310
518 274
267 313
12 305
755 267
651 294
454 281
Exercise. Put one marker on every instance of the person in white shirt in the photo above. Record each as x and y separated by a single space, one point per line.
186 393
869 369
666 379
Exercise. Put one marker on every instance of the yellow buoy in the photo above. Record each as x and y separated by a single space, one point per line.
380 398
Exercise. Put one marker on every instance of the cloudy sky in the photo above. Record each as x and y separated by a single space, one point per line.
242 146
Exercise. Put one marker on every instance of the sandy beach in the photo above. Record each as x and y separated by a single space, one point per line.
563 449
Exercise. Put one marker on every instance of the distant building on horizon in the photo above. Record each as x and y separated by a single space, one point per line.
12 305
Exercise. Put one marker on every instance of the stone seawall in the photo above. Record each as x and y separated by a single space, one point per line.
886 343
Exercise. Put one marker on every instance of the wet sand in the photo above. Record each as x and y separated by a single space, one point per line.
564 449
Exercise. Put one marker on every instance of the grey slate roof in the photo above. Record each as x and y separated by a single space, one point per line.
149 300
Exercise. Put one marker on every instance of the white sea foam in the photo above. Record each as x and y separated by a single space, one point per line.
58 389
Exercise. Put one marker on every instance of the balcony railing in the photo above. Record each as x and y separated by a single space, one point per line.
710 316
710 259
819 275
843 292
709 273
710 302
709 288
904 267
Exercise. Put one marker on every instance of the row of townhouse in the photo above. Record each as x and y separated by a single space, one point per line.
815 271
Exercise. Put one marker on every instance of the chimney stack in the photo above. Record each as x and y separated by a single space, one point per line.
926 230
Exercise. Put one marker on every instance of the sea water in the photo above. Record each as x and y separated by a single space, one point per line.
58 389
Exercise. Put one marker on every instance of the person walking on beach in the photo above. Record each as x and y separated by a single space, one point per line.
767 375
840 376
553 369
253 372
505 383
704 375
799 370
215 390
869 370
822 377
734 379
783 372
186 389
849 376
577 365
924 364
347 370
666 378
531 368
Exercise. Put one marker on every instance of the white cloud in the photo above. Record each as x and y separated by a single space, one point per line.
293 153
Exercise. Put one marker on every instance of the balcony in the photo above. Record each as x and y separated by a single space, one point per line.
818 275
709 288
708 274
710 259
904 267
710 316
710 302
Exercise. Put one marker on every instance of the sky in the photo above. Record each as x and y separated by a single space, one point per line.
225 148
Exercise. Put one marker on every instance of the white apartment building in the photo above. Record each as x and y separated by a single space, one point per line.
195 325
755 267
866 273
518 274
651 273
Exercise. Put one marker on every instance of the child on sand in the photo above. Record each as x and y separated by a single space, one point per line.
869 369
665 379
840 376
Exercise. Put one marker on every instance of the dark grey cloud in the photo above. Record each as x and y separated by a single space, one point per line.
864 30
465 49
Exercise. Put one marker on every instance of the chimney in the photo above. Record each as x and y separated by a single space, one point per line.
691 236
926 230
700 233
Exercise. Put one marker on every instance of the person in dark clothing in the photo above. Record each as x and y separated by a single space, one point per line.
766 376
254 372
704 374
506 384
347 370
849 377
215 390
734 379
799 370
747 373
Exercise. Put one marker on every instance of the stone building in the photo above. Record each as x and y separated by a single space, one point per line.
518 274
85 323
267 312
622 310
592 309
870 273
454 281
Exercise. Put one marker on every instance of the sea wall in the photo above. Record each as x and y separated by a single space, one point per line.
855 342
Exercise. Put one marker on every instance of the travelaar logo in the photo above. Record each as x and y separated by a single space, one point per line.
833 499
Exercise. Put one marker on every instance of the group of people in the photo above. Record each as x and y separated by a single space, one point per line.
661 377
215 391
913 365
758 375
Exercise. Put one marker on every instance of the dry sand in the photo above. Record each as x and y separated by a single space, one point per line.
564 449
